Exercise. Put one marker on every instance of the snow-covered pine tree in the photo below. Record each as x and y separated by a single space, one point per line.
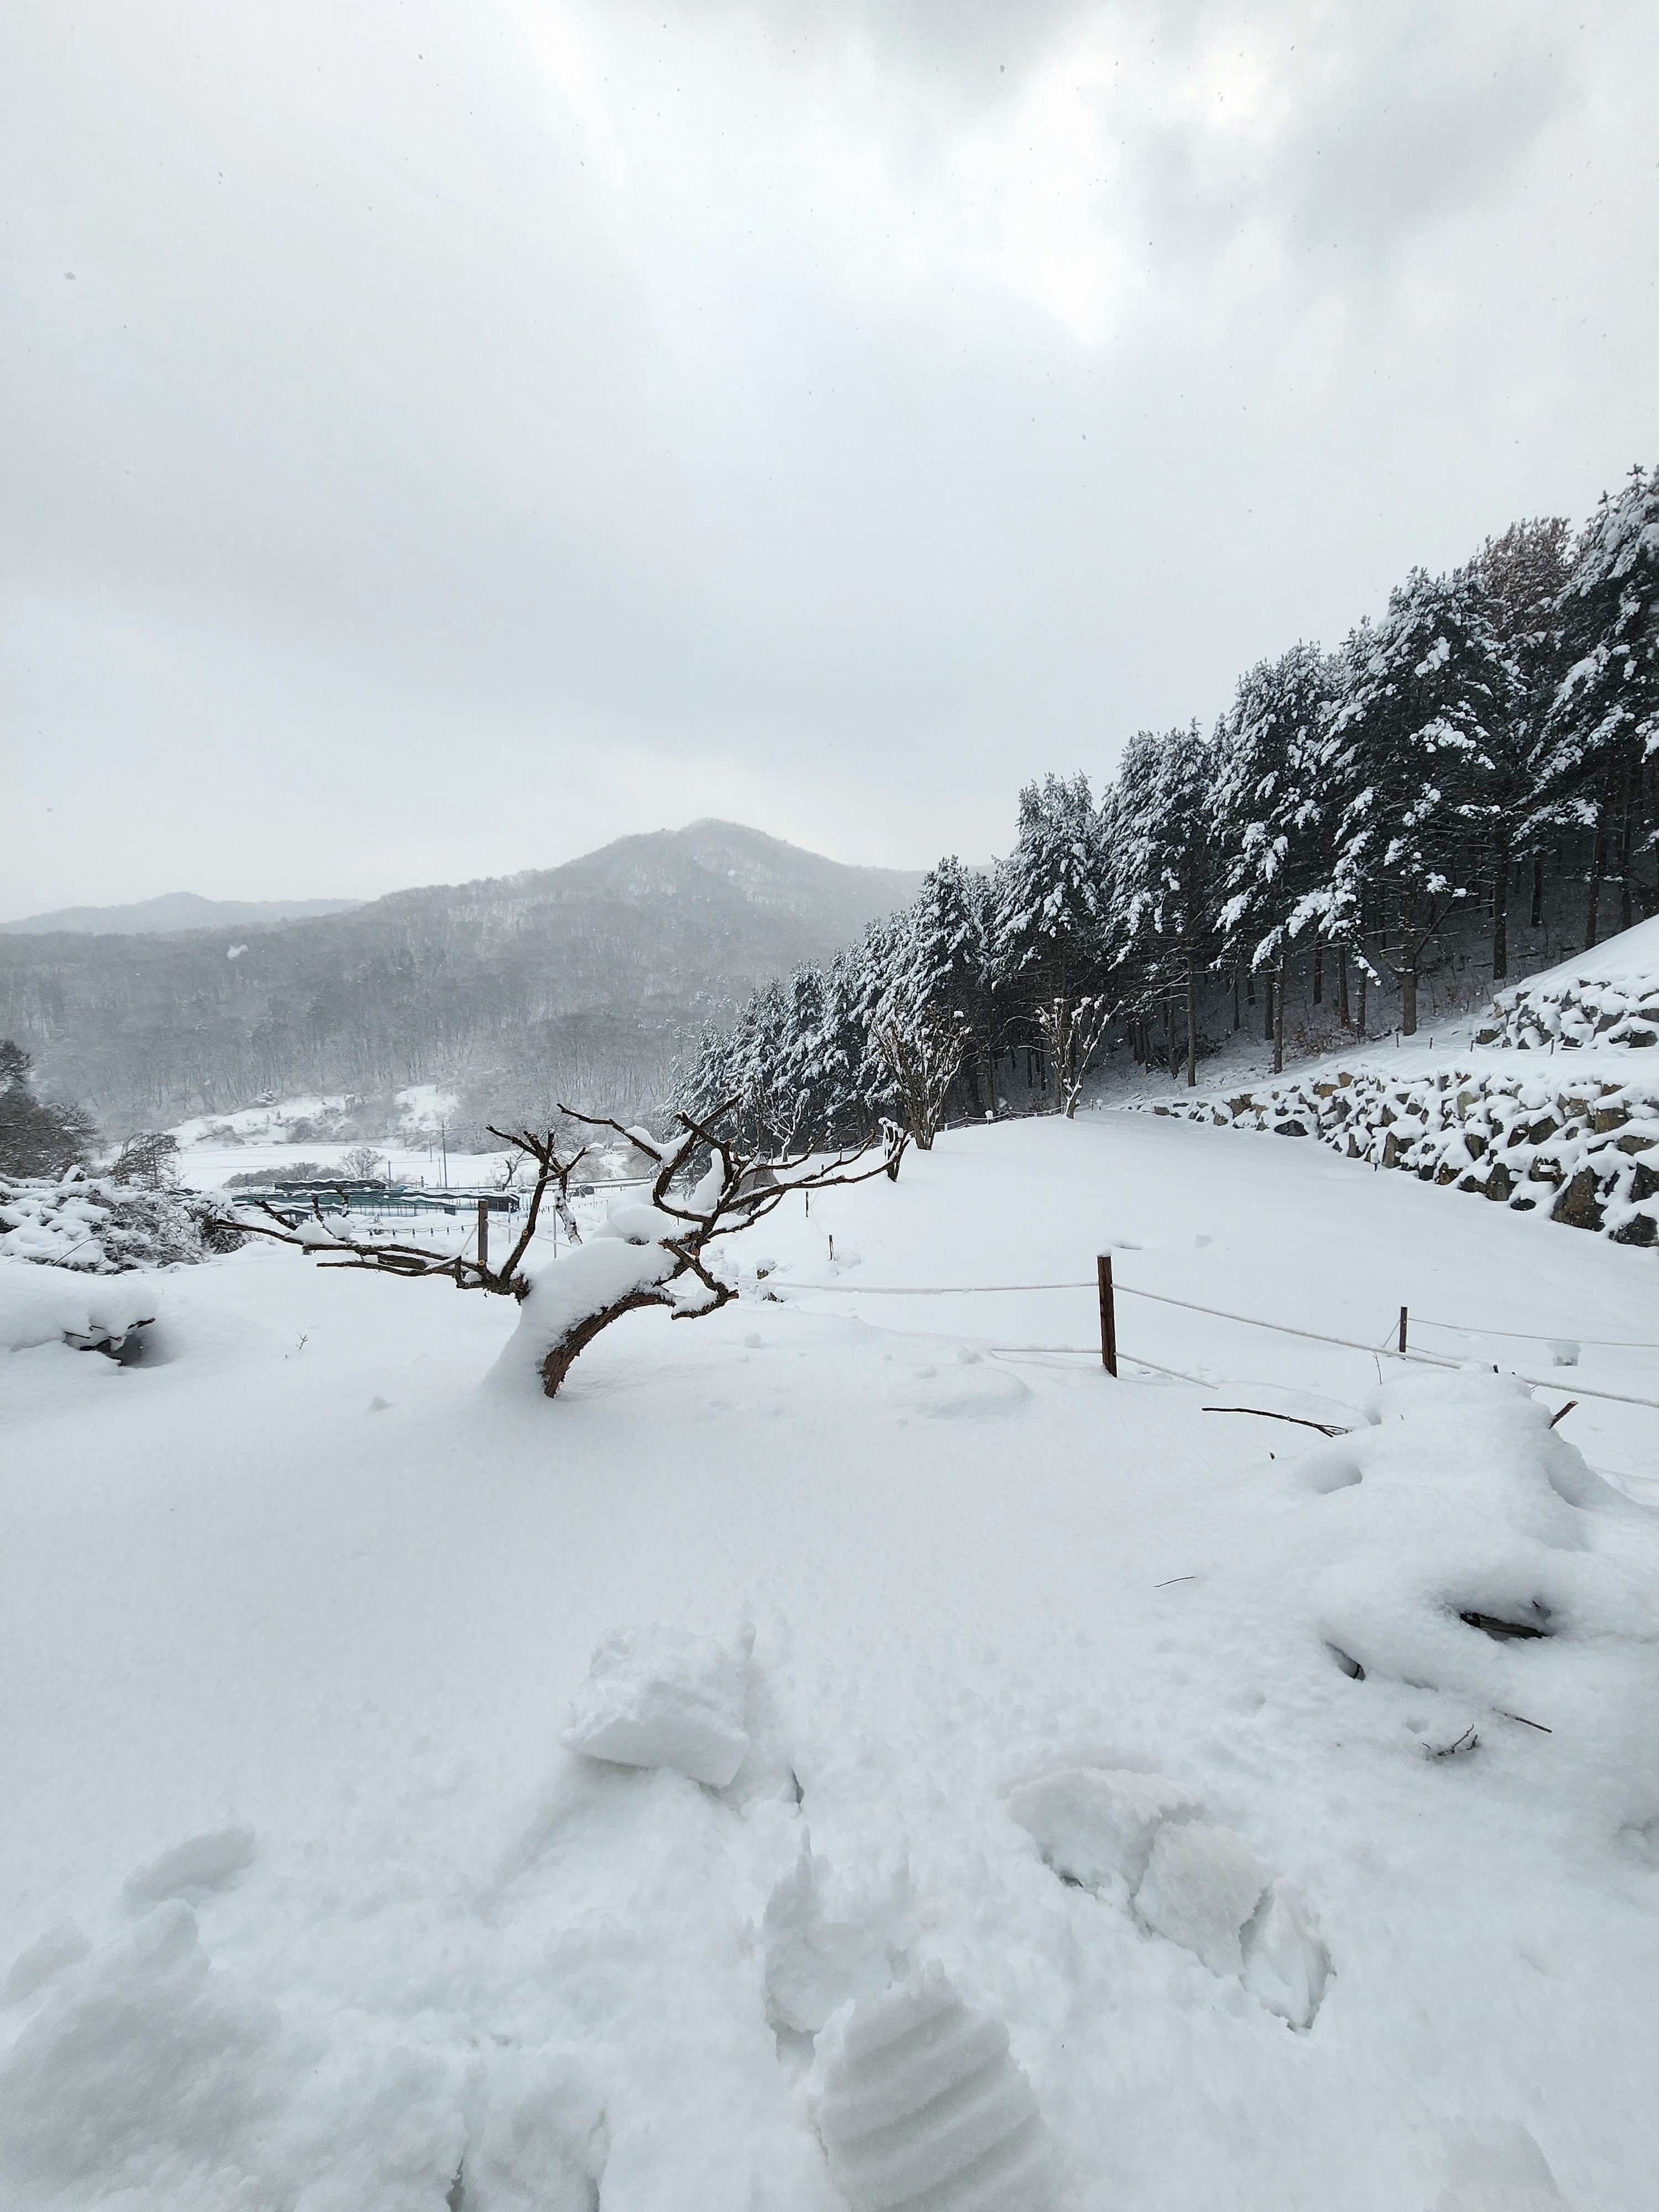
949 932
1052 901
1522 575
1408 754
1164 901
1267 810
847 1071
1603 725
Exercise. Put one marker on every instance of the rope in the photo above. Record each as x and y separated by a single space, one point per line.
1249 1320
1533 1336
928 1290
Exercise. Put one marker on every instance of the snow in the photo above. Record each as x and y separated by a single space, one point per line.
304 1904
921 2109
1630 958
656 1696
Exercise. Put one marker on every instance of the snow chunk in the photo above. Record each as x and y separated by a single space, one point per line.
1286 1964
815 1964
660 1697
190 1869
144 2063
1502 2170
918 2103
31 1970
1091 1823
1203 1883
48 1304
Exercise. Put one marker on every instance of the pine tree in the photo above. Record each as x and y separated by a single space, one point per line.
1052 901
1420 693
1164 903
1522 575
1267 809
1603 725
950 930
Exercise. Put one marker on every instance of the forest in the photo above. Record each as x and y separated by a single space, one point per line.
1466 784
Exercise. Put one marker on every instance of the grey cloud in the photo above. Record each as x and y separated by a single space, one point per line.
517 428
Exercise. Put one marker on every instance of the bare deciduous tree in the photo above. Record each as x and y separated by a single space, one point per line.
1073 1031
921 1050
663 1239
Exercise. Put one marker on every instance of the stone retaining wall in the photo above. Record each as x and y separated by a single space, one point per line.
1585 1153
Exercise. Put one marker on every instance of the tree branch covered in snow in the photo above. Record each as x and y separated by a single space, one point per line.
643 1255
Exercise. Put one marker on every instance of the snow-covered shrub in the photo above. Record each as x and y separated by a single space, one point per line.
148 1159
98 1226
1585 1153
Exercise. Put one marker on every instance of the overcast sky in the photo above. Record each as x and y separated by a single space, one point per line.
438 439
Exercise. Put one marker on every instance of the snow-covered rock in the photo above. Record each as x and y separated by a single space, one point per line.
1607 997
920 2104
1578 1148
660 1697
57 1305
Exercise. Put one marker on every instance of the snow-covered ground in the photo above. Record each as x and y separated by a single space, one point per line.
310 1907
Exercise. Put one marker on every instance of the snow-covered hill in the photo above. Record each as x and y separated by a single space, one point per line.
1212 1812
1607 998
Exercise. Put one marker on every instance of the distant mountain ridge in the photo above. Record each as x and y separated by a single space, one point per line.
585 981
171 913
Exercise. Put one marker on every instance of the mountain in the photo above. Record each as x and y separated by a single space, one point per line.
173 911
584 981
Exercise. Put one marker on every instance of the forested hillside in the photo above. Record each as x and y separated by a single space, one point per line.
582 980
1460 792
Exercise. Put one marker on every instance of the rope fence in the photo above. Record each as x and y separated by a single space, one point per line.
1109 1290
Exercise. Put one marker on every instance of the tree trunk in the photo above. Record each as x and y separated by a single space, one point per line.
1408 959
1192 1022
1318 973
557 1364
1342 985
1500 915
1364 980
1598 866
1267 1010
1238 1017
1277 1000
1537 891
1625 829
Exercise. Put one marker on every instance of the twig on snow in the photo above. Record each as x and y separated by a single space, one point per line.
1264 1413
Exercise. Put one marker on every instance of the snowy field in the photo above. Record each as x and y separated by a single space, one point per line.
312 1910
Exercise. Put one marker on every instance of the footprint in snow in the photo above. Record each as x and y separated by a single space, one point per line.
1189 1878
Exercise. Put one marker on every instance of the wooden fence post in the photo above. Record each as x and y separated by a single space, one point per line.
1402 1332
1108 1313
483 1235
